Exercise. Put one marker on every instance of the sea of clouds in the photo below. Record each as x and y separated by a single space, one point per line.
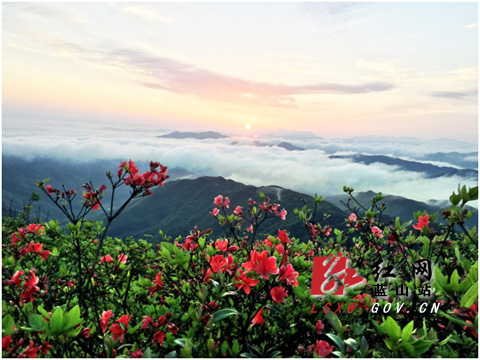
254 159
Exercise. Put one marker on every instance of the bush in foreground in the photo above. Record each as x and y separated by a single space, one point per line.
75 292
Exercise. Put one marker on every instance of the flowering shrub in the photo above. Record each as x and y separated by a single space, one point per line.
75 292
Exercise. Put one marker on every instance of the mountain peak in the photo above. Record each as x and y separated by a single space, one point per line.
193 135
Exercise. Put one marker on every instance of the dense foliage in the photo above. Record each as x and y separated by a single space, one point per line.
75 292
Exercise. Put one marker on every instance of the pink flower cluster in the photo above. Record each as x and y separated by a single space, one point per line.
143 182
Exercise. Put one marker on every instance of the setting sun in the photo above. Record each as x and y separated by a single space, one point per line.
248 127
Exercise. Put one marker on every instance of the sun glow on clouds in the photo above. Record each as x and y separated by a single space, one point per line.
225 73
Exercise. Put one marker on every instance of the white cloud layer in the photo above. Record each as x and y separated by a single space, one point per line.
307 171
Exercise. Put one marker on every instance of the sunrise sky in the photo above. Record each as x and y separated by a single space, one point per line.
336 69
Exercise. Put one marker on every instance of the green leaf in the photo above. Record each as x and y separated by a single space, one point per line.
363 346
224 347
473 193
352 343
180 342
339 342
223 314
63 270
248 355
7 325
454 281
440 281
37 322
335 322
72 318
470 297
147 353
187 349
235 350
56 322
407 332
391 328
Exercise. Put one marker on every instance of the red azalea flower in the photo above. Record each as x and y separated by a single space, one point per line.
288 274
137 354
261 264
314 230
147 320
319 327
6 342
258 319
15 280
85 332
117 332
238 211
158 283
122 258
15 239
282 235
278 294
35 229
106 259
218 201
377 232
391 239
30 287
327 231
162 320
220 264
364 302
31 351
422 222
172 328
221 245
323 348
216 263
106 315
244 282
35 248
268 241
124 320
280 250
159 337
282 214
45 347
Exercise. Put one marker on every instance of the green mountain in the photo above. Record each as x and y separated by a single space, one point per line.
398 206
180 205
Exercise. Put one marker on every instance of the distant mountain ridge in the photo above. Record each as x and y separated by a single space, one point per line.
432 171
181 203
398 206
194 135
